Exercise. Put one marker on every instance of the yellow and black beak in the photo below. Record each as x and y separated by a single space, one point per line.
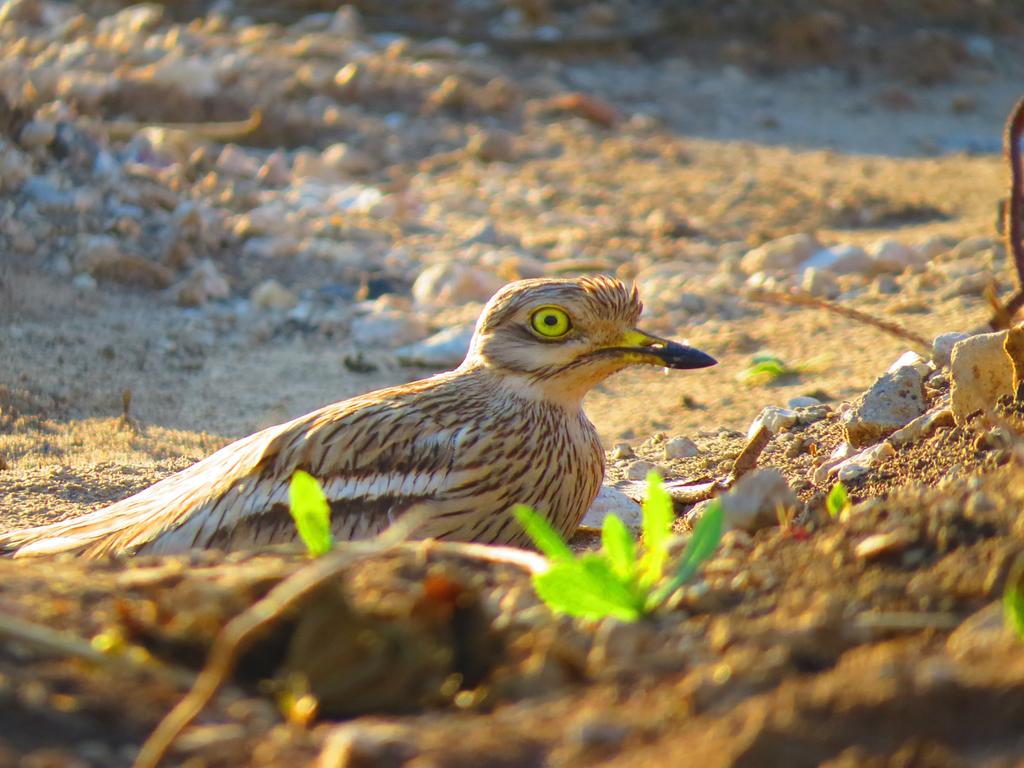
640 347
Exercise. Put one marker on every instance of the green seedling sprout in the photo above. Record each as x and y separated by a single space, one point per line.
837 502
767 369
312 515
615 581
1013 598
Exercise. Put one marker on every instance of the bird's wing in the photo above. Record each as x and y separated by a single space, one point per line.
375 458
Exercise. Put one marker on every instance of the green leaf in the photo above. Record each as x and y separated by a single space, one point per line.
658 514
544 537
702 544
619 548
312 515
766 368
1013 598
767 357
587 588
837 500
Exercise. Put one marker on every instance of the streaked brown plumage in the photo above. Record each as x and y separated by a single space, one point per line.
457 449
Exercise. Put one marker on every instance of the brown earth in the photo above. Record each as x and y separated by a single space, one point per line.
798 647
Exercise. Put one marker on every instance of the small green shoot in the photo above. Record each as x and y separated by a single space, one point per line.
614 581
312 515
766 368
837 502
1013 598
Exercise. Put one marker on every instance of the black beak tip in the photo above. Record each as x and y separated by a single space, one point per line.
683 357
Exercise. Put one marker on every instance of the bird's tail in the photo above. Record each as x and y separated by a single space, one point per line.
92 534
176 514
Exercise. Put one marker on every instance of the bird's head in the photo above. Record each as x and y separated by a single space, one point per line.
564 336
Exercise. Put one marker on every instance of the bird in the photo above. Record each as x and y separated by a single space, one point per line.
454 452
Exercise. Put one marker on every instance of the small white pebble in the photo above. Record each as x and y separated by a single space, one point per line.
681 448
622 451
638 470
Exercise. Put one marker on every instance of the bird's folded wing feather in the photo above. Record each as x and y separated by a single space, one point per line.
374 459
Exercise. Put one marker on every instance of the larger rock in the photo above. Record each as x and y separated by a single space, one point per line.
942 346
758 500
894 400
102 257
840 260
387 328
892 256
612 501
445 349
981 371
781 255
453 283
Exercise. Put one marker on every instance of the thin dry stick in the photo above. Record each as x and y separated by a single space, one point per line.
1014 213
64 644
801 299
226 131
751 452
244 627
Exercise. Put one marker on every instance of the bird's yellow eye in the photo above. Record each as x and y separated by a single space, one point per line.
550 322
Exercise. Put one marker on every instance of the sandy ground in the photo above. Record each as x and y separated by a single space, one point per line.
69 357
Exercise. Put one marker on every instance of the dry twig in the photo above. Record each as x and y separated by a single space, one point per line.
219 132
52 642
751 452
801 299
1003 314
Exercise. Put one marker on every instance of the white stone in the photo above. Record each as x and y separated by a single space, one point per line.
895 399
15 167
445 349
922 426
891 256
932 247
390 328
310 165
622 451
235 161
912 359
781 255
942 346
820 283
453 283
973 284
192 75
861 463
980 371
972 246
681 448
171 145
841 259
348 160
346 22
639 470
612 501
134 19
774 419
93 249
84 282
264 248
270 294
840 453
204 282
37 134
802 401
336 252
757 500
